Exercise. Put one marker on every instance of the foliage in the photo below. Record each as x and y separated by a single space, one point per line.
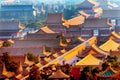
36 24
112 61
66 68
48 49
105 65
32 57
86 73
9 63
59 36
62 37
12 66
6 44
95 70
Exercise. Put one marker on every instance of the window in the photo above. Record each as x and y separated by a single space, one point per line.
104 34
96 32
113 21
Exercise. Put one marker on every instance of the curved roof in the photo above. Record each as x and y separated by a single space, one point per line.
81 39
109 45
84 14
107 73
116 76
47 30
58 75
80 47
99 50
20 67
94 50
74 21
89 60
94 2
116 35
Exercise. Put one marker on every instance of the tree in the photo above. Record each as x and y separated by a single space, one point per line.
105 65
86 73
94 72
112 61
6 44
32 57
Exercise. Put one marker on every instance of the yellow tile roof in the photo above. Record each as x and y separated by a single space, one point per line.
81 39
74 21
84 14
80 47
94 2
68 55
47 30
99 50
89 60
58 75
109 45
115 34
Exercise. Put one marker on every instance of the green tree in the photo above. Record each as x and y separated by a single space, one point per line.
105 65
94 72
32 57
113 61
86 73
6 44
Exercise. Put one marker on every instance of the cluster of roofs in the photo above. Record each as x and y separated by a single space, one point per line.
75 41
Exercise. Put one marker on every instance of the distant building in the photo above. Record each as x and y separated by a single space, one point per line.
111 11
86 6
19 12
95 27
54 22
10 29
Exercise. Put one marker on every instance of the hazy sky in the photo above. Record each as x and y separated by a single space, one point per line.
49 1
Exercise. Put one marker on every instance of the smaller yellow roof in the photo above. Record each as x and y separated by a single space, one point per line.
74 21
109 45
99 50
81 39
20 67
11 41
47 30
28 62
115 34
84 14
89 60
58 75
94 2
